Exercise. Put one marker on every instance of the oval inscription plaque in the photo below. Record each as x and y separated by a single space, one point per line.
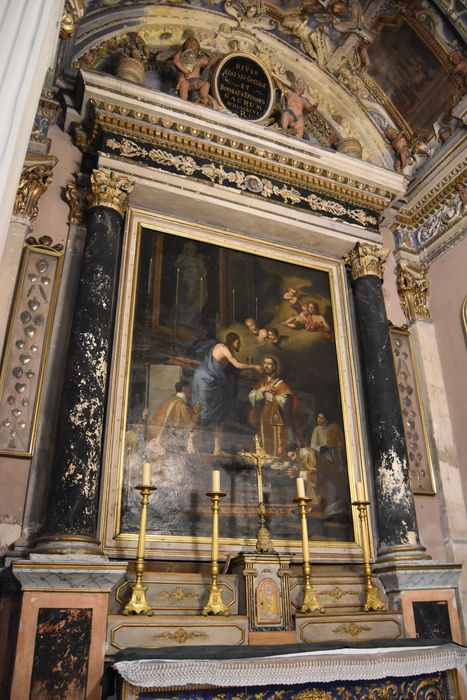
243 86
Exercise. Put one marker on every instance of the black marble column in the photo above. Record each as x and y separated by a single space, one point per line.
73 500
395 510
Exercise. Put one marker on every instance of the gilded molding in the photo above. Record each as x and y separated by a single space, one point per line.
366 259
34 181
412 287
77 198
72 13
230 151
111 190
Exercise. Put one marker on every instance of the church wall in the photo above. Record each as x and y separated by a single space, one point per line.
27 479
52 219
428 517
447 291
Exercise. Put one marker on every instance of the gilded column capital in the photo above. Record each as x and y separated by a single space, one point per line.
72 13
35 178
109 189
366 259
412 286
77 198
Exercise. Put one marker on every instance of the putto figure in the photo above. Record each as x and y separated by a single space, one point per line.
400 145
190 61
296 106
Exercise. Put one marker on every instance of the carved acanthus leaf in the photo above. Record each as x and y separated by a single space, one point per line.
34 181
412 285
111 190
366 259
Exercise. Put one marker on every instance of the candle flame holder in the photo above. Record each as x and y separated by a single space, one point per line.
310 601
138 605
372 593
215 604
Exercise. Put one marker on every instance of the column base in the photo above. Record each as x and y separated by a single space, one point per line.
67 544
402 553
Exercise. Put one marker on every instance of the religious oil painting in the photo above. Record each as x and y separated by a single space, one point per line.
233 355
410 75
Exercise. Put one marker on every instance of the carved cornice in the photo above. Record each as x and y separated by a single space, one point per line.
72 13
109 189
230 150
35 178
412 286
366 259
77 198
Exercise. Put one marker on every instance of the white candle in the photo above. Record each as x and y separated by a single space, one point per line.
300 487
146 474
360 491
216 480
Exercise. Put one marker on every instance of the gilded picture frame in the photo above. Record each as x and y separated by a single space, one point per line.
151 325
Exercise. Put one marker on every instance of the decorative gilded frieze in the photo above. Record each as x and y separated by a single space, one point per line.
77 198
412 286
366 259
201 141
27 345
108 189
203 169
35 179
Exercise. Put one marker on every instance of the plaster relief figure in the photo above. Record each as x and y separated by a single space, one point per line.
400 145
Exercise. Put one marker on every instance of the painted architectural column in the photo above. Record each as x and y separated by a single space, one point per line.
28 39
73 498
395 510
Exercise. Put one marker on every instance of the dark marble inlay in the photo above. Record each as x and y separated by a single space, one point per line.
75 483
394 500
61 653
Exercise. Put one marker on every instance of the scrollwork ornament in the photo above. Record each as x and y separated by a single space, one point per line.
109 189
366 259
72 13
412 286
77 200
33 183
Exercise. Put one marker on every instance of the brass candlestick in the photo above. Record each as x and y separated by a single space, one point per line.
137 605
372 593
310 601
215 604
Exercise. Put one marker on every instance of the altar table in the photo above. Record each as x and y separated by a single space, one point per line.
411 669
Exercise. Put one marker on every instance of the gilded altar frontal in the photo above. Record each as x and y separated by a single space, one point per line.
233 328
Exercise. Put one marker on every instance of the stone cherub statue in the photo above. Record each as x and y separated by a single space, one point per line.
295 106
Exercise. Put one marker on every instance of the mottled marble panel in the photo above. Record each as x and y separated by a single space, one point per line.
61 653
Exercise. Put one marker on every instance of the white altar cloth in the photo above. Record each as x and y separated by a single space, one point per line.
340 664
